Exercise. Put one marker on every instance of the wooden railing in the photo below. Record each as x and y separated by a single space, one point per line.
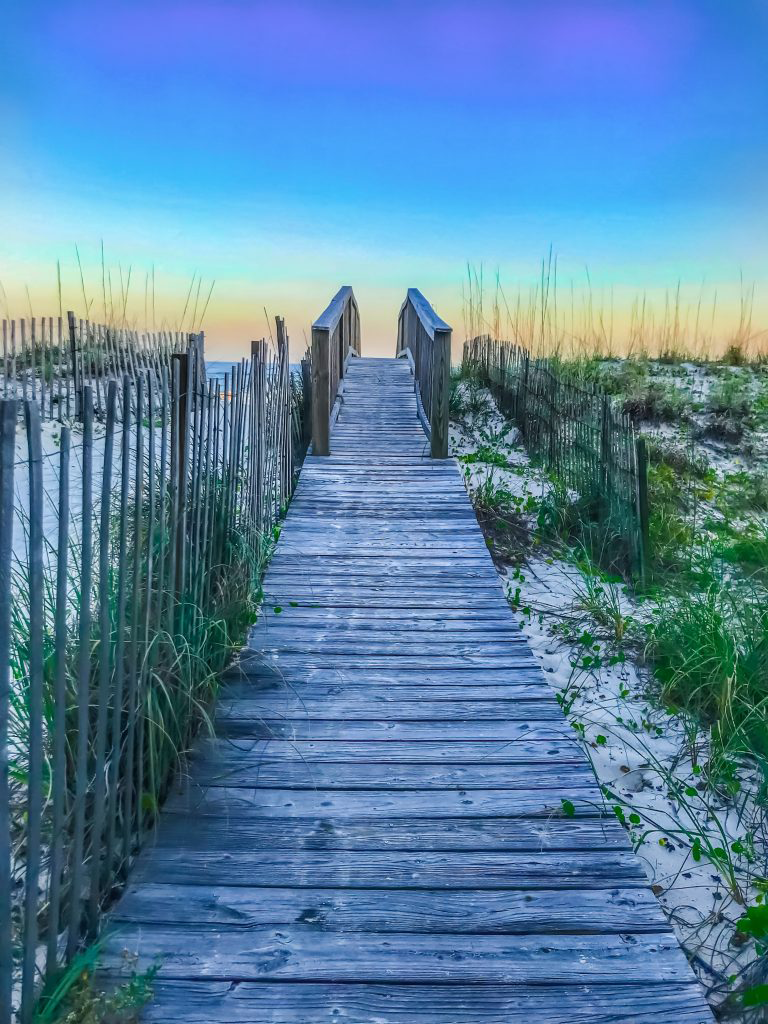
425 340
335 337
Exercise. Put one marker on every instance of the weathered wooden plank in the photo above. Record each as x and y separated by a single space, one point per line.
299 729
308 620
306 954
385 705
236 834
426 619
333 656
462 912
242 1002
392 752
321 651
247 804
397 869
246 674
278 687
235 767
309 595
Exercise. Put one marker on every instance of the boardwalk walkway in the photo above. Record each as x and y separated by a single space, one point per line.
376 832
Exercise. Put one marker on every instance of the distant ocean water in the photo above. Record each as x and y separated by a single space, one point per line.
216 368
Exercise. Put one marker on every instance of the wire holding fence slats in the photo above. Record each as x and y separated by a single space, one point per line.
118 613
583 440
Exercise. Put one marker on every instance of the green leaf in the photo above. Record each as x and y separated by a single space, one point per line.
690 791
756 996
568 809
635 818
755 922
277 609
601 740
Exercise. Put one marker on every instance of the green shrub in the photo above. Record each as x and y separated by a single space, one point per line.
468 399
671 533
624 378
710 653
731 398
656 401
749 551
735 354
682 459
488 455
743 492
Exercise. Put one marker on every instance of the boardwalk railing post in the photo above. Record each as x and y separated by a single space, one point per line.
425 340
321 393
441 382
335 335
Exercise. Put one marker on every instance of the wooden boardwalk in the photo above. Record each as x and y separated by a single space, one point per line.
376 832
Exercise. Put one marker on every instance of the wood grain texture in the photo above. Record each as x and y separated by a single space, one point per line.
394 821
238 1002
304 953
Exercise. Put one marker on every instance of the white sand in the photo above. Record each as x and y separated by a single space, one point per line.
638 751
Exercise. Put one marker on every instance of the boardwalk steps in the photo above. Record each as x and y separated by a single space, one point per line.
376 833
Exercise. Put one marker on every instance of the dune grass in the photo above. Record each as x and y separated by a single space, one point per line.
578 322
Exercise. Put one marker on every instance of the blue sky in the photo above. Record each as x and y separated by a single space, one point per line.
284 149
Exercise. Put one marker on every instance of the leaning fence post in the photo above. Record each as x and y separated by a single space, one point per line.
76 381
606 467
522 391
441 383
284 407
182 441
59 788
643 511
34 697
105 669
77 849
321 391
306 395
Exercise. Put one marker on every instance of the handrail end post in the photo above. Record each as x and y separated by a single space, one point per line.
321 391
441 383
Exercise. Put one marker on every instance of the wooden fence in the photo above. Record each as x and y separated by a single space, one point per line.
582 438
425 340
48 360
335 337
131 549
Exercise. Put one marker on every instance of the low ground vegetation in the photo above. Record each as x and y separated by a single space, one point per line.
666 686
